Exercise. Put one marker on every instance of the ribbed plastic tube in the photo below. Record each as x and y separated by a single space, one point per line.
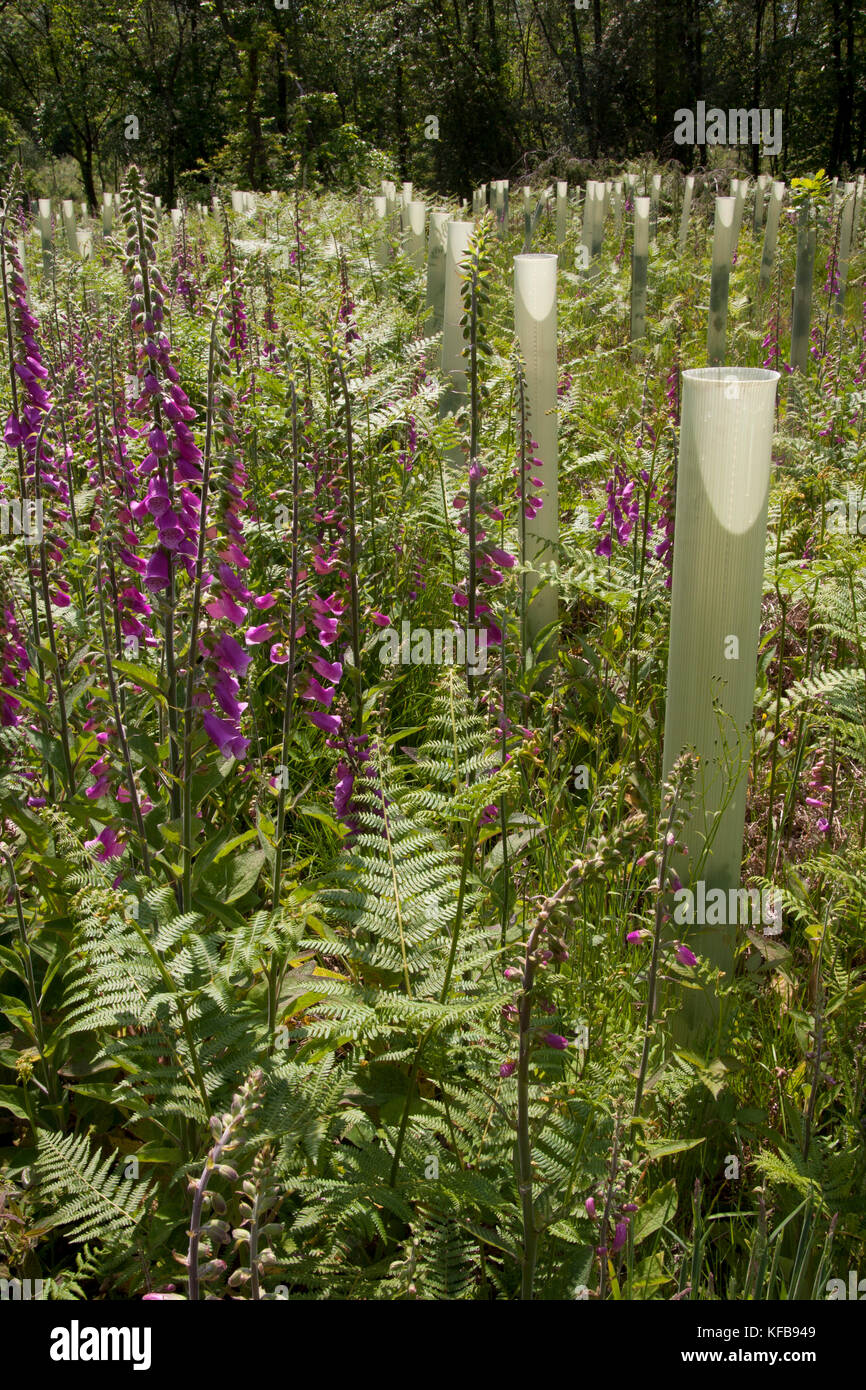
684 215
723 231
45 231
617 210
742 193
760 191
454 362
599 207
436 270
381 248
527 219
107 214
723 484
846 230
639 266
801 317
861 187
655 195
771 231
561 212
502 207
408 195
67 208
535 326
416 233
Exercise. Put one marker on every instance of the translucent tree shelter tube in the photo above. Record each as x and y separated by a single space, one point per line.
771 232
721 273
527 219
655 195
801 317
454 361
107 214
639 267
416 233
617 210
561 212
760 191
381 248
45 232
535 327
436 270
861 182
70 227
846 230
723 485
408 194
739 208
598 217
684 215
238 201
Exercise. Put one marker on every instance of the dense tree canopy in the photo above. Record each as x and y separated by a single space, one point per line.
452 91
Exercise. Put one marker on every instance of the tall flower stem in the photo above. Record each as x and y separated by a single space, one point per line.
288 705
118 716
353 552
168 621
52 636
194 624
654 959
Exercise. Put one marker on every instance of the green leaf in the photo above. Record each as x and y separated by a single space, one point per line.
9 1101
656 1211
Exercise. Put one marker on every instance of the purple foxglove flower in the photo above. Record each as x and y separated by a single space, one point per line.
263 633
224 733
381 619
590 1206
507 1069
343 789
110 847
329 722
156 574
620 1235
315 691
225 607
328 670
555 1040
230 655
685 956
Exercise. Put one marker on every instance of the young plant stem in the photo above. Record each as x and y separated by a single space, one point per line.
118 717
186 849
288 705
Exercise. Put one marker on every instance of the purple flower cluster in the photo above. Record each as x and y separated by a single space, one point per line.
621 512
490 559
13 664
532 502
25 424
